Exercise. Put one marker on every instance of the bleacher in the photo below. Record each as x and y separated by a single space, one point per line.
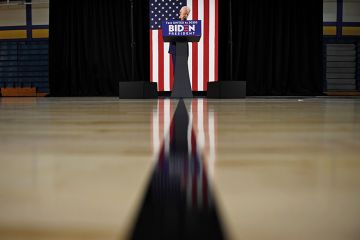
24 64
341 67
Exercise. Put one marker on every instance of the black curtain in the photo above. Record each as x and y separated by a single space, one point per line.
90 46
277 46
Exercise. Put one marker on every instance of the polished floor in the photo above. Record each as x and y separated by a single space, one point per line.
93 168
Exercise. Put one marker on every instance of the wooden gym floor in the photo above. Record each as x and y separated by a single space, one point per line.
79 168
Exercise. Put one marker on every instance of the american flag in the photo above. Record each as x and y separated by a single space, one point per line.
203 56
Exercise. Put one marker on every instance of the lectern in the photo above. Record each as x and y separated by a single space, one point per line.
181 32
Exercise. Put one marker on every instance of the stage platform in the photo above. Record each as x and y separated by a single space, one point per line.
276 168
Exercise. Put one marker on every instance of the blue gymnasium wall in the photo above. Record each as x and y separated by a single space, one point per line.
24 41
342 26
24 47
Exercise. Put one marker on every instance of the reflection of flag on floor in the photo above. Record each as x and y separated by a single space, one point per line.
203 65
202 125
198 168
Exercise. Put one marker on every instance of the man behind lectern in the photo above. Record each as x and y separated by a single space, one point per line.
184 14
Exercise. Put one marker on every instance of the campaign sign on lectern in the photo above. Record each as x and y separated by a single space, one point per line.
181 32
185 31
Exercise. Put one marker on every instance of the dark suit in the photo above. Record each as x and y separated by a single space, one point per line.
172 51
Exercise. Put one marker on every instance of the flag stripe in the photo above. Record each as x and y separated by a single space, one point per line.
212 44
195 52
155 61
190 59
166 67
151 57
206 44
200 63
161 61
216 40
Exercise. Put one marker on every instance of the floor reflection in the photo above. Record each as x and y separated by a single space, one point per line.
202 123
179 202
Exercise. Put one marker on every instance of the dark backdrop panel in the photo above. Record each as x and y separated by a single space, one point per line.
277 46
90 46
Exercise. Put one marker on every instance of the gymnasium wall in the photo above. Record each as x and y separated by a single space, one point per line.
342 18
24 33
341 45
14 18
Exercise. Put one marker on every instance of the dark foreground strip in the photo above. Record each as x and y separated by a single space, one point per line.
179 202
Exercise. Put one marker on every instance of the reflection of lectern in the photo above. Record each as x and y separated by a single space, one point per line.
181 32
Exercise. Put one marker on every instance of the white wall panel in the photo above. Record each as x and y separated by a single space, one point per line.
13 16
351 11
330 9
40 15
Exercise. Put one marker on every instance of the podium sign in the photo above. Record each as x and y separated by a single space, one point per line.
182 31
